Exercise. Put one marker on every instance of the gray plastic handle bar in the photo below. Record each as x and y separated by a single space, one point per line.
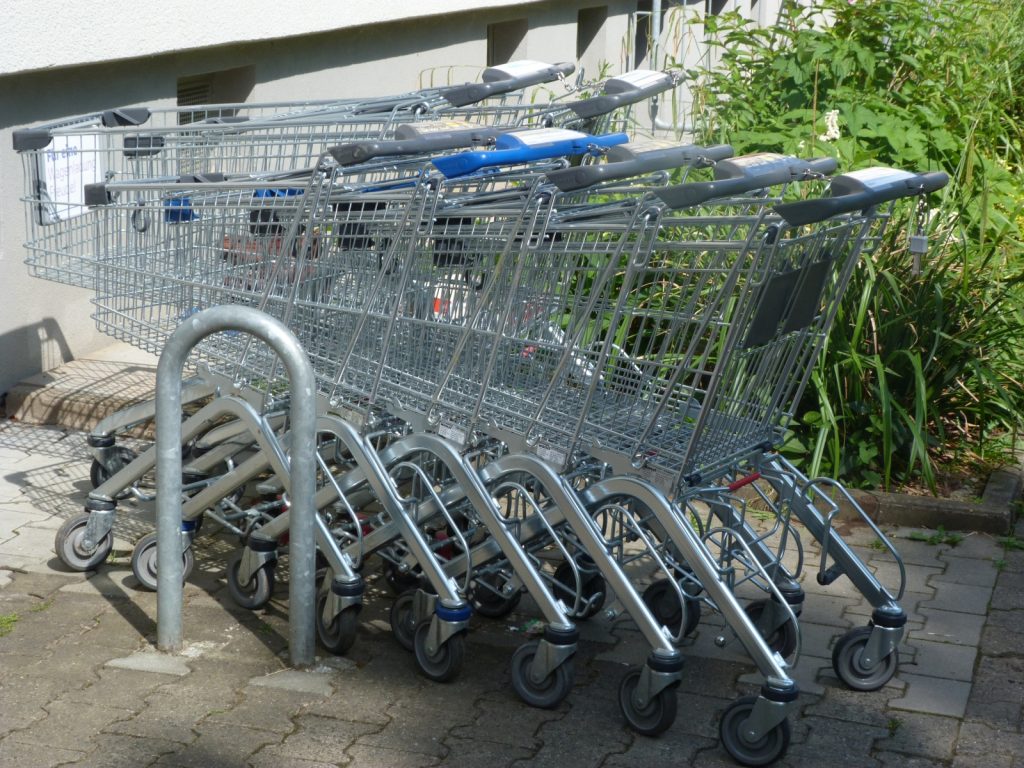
25 139
860 190
748 173
363 151
618 92
636 164
101 194
497 82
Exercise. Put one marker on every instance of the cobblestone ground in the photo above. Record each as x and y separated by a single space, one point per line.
80 684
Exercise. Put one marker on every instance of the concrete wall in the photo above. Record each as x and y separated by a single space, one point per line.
70 34
43 324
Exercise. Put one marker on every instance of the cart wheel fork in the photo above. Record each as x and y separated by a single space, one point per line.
766 714
881 643
651 683
340 596
441 630
548 657
254 557
445 622
101 522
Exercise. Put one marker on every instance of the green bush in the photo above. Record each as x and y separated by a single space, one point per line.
922 365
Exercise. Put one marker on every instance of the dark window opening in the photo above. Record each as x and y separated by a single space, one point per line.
503 40
589 22
228 86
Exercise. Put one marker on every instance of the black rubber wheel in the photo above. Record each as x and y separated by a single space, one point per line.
659 714
591 583
68 545
99 474
144 562
338 636
846 661
552 690
403 625
783 639
681 618
444 664
765 750
254 594
488 600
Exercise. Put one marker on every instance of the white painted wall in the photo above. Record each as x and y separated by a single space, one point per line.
60 34
74 61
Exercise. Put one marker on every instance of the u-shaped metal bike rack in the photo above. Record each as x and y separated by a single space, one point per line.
302 469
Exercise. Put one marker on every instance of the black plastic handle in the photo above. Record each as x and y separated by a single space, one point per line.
860 190
496 81
747 173
415 144
116 118
28 139
620 91
627 163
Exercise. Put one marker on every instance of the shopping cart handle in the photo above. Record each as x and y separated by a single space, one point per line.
364 151
636 150
859 190
115 118
626 89
504 79
769 168
744 174
28 139
626 164
524 147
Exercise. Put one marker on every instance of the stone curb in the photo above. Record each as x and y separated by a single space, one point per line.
994 514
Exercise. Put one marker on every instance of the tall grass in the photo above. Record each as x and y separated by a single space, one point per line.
926 365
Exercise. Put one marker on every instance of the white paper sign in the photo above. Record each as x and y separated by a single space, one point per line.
69 163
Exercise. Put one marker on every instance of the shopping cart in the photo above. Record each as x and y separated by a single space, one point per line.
202 248
63 159
391 361
701 390
697 396
68 164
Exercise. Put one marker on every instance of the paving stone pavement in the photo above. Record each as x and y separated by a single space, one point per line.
81 683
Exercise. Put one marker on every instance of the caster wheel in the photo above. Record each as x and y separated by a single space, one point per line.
783 639
338 636
445 663
68 544
655 718
550 692
765 750
255 593
99 474
144 562
681 618
403 625
846 661
488 600
592 583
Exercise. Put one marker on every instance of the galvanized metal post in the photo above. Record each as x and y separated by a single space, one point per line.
302 548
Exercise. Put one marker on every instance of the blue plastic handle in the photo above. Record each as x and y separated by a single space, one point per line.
512 148
285 192
179 209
